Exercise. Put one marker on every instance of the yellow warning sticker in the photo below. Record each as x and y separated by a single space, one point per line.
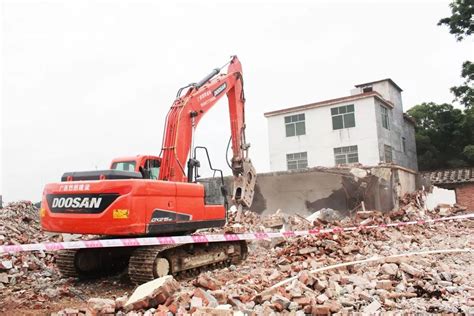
120 213
42 212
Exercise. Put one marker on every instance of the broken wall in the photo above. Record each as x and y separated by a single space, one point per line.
343 189
465 195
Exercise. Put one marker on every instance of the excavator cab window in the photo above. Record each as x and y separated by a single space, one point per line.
124 166
152 168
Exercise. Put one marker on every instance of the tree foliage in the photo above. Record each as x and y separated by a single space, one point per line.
444 136
460 22
461 25
464 93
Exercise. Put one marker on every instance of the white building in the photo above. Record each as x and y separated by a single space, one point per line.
367 127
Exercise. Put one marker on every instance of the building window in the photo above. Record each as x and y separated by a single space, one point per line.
343 117
385 117
295 125
348 154
297 161
404 144
388 153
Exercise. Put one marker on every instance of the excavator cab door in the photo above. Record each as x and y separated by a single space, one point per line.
215 192
150 169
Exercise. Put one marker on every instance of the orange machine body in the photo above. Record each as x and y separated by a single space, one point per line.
154 195
130 207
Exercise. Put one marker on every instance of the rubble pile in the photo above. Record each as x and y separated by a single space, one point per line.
26 277
439 283
294 276
309 286
239 221
413 206
248 221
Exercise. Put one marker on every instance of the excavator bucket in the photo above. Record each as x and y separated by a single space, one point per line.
244 185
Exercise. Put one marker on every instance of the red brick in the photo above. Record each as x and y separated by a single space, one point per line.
465 195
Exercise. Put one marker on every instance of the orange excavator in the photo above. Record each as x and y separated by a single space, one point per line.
158 195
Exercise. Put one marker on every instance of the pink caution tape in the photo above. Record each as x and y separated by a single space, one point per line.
175 240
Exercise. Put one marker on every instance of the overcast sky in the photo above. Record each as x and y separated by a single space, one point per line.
83 82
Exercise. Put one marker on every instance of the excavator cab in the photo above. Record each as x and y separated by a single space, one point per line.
147 166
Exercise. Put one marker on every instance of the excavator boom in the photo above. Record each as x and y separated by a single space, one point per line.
186 113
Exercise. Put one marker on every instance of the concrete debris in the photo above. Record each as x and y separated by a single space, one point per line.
208 282
410 270
414 285
120 302
207 298
358 172
101 306
328 215
34 271
372 307
390 269
152 293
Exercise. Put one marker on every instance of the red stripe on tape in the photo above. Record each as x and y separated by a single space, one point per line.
261 235
231 237
131 242
93 243
200 239
166 240
12 248
53 246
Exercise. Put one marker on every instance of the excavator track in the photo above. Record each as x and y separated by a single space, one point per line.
142 262
150 262
91 263
182 261
65 263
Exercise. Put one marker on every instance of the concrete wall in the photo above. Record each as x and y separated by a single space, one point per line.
320 139
369 135
399 127
410 159
308 191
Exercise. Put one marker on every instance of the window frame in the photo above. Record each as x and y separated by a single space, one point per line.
404 145
119 165
343 116
294 121
153 166
346 154
299 160
385 117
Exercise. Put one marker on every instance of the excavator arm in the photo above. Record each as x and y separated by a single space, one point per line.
184 116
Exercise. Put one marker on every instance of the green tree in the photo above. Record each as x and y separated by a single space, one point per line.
469 153
464 93
461 25
443 136
460 22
